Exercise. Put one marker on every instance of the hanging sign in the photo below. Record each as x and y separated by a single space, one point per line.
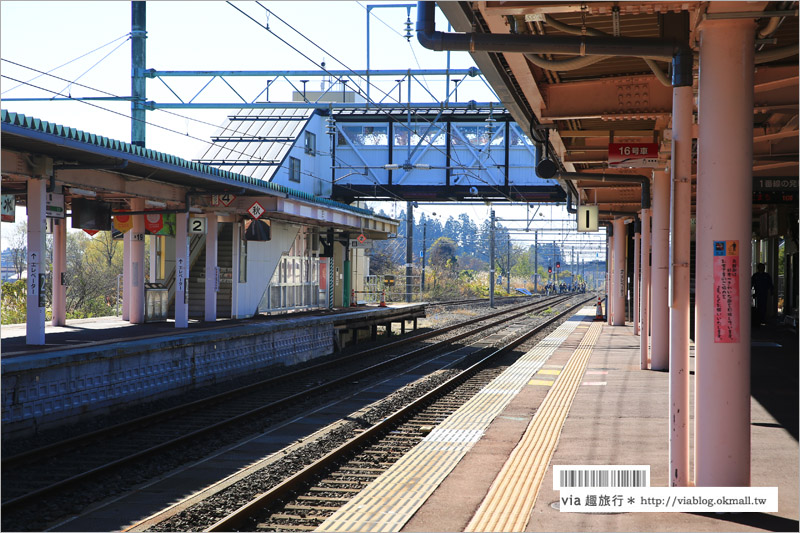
633 155
8 204
91 232
54 206
588 218
123 223
153 222
197 225
256 210
726 291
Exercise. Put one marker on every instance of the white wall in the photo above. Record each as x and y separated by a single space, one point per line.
262 259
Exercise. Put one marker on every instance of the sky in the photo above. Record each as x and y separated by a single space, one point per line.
84 49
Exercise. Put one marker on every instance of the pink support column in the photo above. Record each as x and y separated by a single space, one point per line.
126 274
59 270
37 264
644 295
636 252
722 288
610 279
619 285
680 246
136 300
659 350
181 270
212 274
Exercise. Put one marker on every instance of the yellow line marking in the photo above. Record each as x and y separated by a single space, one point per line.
510 500
549 372
540 382
393 498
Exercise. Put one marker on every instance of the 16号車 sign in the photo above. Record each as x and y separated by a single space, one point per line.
633 155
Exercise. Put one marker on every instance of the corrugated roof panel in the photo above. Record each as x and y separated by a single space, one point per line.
20 120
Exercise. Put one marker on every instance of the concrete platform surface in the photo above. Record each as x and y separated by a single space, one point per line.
619 416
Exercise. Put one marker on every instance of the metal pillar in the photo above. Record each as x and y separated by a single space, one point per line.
181 270
136 305
491 260
126 274
619 283
659 351
724 206
212 270
347 301
636 253
644 293
59 271
409 246
37 262
536 261
138 60
680 249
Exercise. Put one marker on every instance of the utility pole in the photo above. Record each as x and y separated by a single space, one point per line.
491 260
508 264
409 247
424 245
536 261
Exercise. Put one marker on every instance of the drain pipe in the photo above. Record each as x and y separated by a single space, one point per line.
665 49
549 170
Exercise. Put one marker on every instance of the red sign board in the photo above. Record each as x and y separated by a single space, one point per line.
726 291
153 222
256 210
633 155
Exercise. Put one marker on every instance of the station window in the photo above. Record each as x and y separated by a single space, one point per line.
311 143
294 169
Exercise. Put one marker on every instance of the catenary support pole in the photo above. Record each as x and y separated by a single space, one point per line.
59 271
181 270
409 246
680 248
137 303
138 66
644 294
619 284
724 207
536 261
491 260
212 270
659 273
37 262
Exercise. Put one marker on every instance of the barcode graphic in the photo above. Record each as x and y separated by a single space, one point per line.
605 476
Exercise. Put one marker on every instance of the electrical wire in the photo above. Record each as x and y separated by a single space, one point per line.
70 61
97 63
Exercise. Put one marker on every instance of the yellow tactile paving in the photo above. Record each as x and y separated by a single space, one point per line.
549 372
540 382
390 501
510 499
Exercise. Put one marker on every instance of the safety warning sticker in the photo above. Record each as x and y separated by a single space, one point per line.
726 291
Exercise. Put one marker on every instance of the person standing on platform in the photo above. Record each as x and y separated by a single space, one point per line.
762 287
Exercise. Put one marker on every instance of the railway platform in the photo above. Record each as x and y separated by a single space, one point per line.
91 366
590 404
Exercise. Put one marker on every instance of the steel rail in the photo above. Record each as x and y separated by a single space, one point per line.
194 406
235 521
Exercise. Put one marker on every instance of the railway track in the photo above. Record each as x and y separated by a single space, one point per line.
312 494
64 467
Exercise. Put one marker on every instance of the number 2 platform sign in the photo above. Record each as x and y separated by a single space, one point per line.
726 291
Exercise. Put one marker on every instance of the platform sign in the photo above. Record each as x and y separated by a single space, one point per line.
726 291
8 203
54 206
361 239
256 210
588 216
633 155
197 225
222 199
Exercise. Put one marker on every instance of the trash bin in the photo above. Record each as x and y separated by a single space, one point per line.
156 302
